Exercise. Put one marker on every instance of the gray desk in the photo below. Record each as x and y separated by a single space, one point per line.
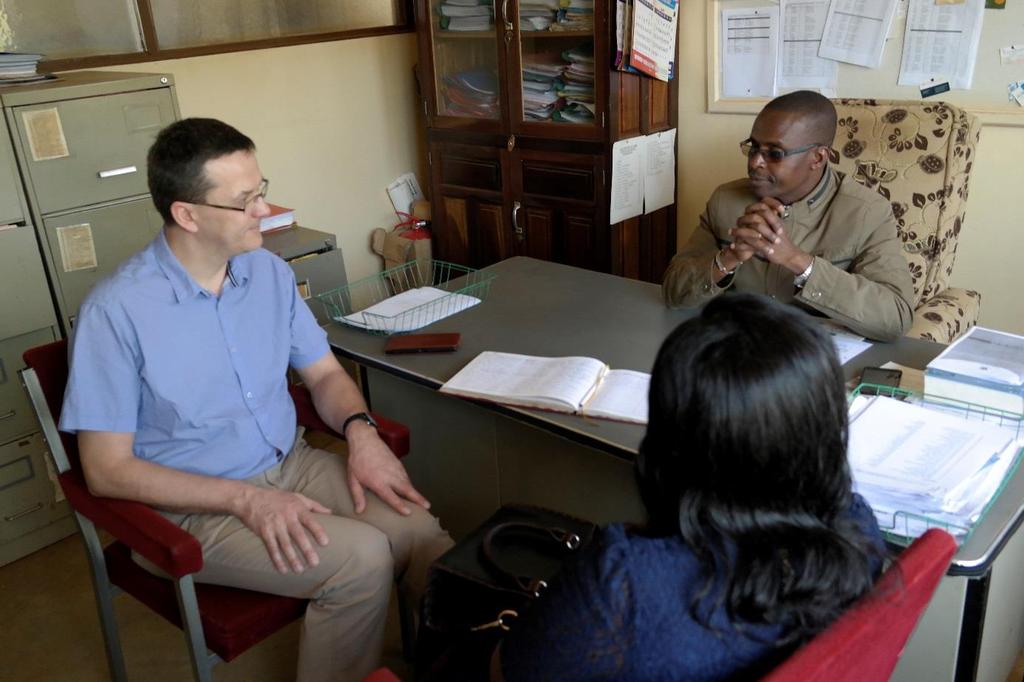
469 457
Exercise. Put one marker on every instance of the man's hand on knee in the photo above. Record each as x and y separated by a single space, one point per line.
284 521
371 464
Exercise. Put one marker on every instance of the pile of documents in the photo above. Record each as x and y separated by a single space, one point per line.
409 310
984 367
472 93
542 75
20 67
577 86
923 466
537 15
466 15
575 15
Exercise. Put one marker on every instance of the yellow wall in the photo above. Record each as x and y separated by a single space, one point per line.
334 123
992 242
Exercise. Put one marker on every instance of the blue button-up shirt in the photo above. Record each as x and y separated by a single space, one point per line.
199 379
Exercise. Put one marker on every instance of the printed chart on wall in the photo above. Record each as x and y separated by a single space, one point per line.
960 51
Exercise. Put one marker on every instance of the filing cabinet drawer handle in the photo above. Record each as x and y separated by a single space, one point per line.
8 415
114 172
24 512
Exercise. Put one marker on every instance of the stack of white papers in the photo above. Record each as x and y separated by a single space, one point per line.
919 467
409 310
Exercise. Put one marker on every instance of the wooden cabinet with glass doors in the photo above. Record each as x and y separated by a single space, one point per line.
523 105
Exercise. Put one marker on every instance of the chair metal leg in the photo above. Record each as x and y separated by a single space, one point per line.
407 625
202 660
104 592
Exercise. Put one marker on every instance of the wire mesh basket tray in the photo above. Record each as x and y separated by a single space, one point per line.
407 297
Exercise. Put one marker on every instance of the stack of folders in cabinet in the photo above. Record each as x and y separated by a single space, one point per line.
466 15
924 462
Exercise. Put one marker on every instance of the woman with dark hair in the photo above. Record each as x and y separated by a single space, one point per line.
755 540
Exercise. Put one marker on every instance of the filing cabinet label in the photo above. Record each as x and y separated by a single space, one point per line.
45 134
77 248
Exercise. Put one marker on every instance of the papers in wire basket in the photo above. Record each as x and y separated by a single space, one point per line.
409 310
577 385
920 467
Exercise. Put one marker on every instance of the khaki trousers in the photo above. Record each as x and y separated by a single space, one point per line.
343 630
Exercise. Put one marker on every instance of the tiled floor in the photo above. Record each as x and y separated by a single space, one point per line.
51 630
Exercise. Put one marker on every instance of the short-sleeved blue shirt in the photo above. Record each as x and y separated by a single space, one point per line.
199 379
622 613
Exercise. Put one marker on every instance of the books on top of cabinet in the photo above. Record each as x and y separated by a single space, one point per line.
279 217
575 385
984 366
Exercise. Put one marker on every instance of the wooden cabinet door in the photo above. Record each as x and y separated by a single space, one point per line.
558 208
470 215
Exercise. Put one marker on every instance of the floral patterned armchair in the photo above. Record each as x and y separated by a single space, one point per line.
918 155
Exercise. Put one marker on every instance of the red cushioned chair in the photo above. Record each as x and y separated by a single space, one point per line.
219 622
865 644
382 675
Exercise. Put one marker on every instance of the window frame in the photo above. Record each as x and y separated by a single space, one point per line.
152 51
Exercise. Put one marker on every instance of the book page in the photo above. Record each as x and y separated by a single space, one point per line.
622 395
554 383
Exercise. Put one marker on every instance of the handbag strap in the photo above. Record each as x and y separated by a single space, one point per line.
547 537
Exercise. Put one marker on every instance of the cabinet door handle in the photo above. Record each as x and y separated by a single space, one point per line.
114 172
504 15
24 512
520 234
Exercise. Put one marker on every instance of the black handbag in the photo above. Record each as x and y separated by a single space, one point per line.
479 588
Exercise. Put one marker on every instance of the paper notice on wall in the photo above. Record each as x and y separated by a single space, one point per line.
941 43
77 248
45 134
749 48
1013 54
654 37
403 191
660 175
803 23
627 198
855 31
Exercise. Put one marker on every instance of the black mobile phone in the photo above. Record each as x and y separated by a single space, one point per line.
879 376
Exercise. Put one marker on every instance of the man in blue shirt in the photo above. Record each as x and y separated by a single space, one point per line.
178 395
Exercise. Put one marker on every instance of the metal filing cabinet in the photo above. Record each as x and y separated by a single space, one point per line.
315 259
77 208
32 514
81 144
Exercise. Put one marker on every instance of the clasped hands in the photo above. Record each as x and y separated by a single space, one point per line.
760 231
286 521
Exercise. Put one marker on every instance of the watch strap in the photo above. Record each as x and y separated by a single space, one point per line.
358 416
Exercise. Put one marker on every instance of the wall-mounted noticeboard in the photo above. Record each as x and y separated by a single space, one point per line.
987 97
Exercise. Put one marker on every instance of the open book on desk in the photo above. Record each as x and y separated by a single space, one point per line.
575 385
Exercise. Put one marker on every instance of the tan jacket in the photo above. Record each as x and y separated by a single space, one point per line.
860 277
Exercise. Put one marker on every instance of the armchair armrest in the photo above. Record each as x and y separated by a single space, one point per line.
137 525
394 434
947 315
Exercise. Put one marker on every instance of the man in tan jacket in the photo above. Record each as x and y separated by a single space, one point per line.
798 230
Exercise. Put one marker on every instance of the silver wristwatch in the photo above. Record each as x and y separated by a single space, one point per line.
800 280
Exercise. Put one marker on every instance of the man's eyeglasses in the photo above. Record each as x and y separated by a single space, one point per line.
773 154
249 204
